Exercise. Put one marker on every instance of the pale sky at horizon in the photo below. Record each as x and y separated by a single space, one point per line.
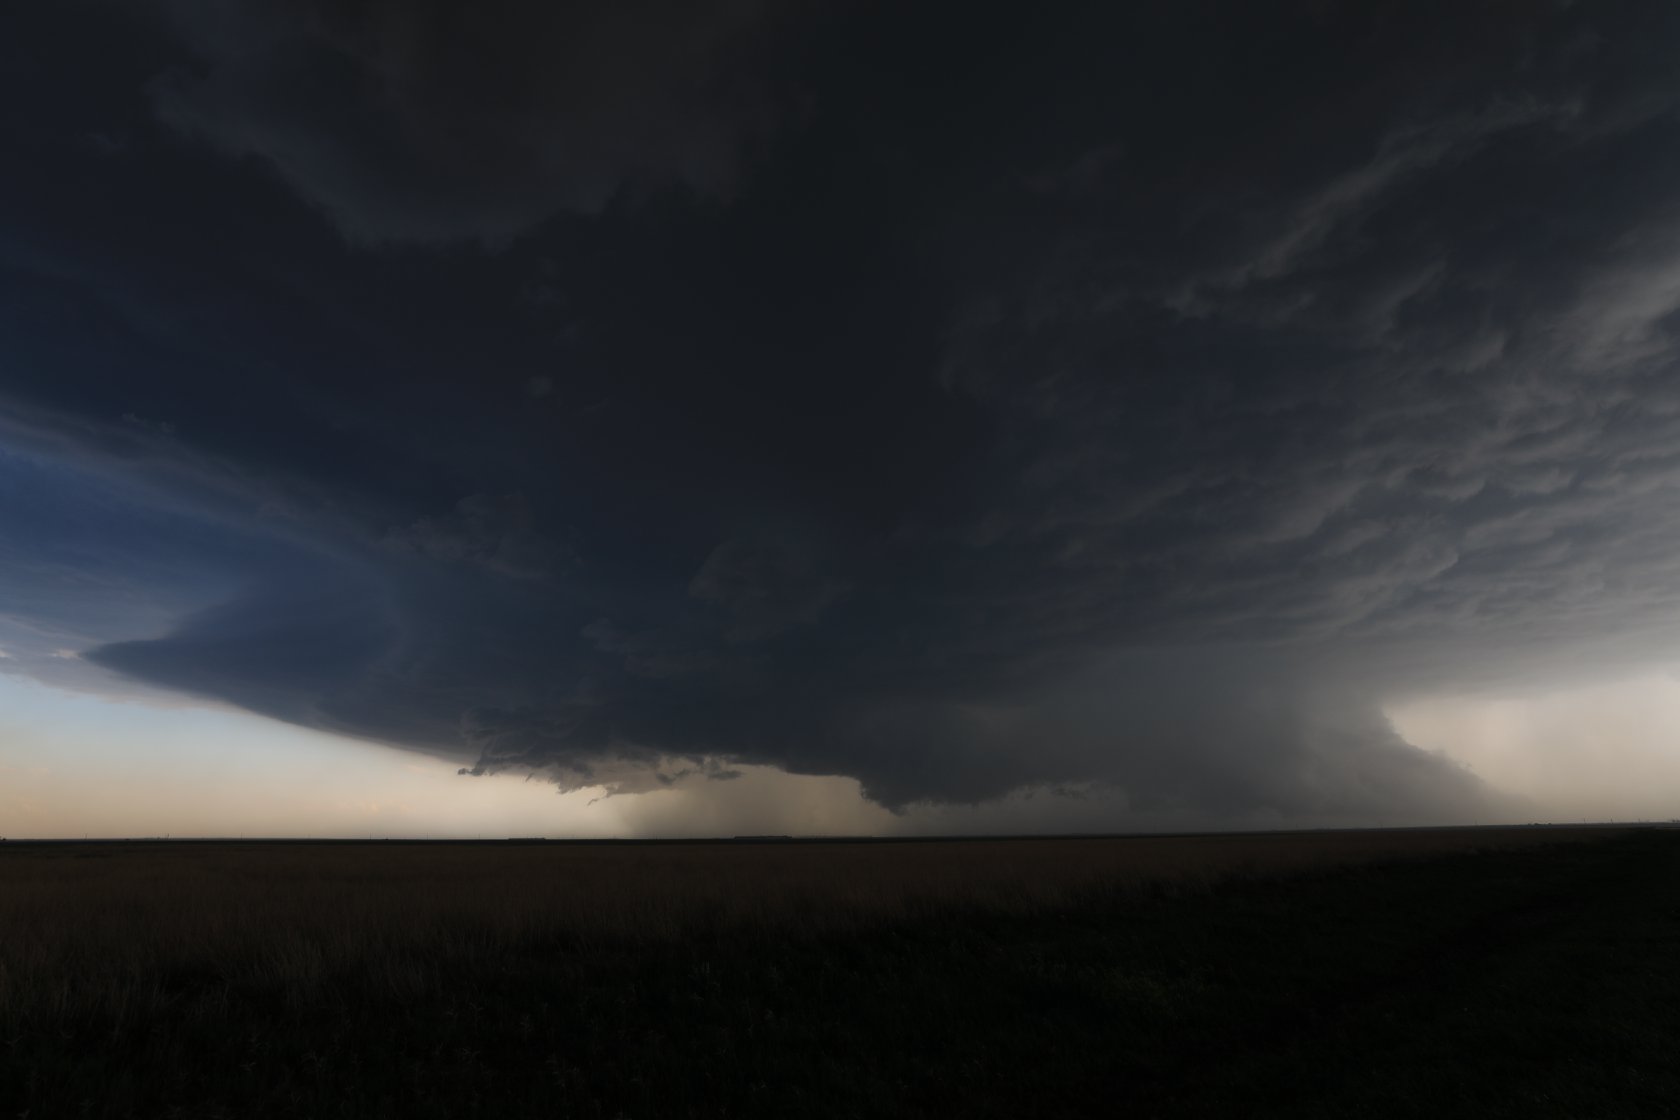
78 765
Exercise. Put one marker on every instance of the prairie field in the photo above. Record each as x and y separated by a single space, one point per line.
919 978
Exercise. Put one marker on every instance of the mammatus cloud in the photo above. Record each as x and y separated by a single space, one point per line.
1143 448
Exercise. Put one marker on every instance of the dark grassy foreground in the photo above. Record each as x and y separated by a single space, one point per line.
1541 980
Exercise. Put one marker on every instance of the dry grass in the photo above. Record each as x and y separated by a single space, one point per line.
981 978
108 932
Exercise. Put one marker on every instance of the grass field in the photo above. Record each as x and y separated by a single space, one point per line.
1514 972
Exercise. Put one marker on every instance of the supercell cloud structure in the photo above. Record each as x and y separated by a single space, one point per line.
633 392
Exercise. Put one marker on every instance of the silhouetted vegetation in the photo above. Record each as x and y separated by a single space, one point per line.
1513 973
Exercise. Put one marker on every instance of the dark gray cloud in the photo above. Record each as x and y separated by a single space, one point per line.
1130 403
766 586
427 122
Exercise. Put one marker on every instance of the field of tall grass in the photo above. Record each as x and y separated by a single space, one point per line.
112 923
224 979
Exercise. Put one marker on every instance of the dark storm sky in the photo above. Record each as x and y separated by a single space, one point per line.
957 398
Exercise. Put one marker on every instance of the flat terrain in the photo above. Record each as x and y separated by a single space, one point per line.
1485 972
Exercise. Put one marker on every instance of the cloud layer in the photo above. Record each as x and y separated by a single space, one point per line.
1128 406
423 122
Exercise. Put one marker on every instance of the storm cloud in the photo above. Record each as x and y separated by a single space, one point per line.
1125 404
427 122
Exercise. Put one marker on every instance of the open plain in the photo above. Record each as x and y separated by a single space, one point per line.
1524 971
